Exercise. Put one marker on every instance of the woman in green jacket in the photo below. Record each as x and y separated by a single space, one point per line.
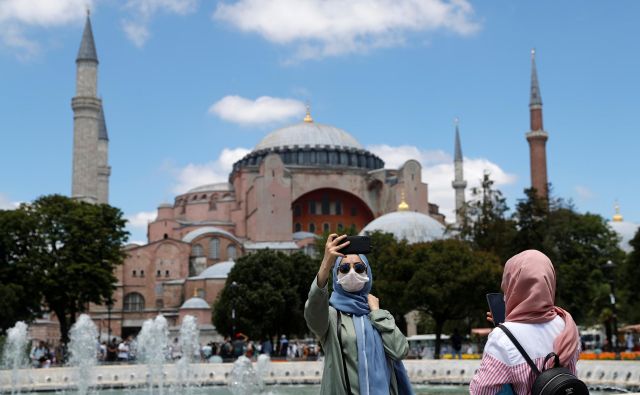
363 347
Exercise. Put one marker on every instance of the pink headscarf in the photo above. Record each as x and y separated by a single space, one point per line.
529 286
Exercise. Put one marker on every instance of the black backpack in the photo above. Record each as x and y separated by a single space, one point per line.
557 380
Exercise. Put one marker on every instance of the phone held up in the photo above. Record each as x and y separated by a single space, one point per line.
357 245
497 307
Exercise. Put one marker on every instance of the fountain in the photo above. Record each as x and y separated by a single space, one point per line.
14 353
189 344
153 342
83 349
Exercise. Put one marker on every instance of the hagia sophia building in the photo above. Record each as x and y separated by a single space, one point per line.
298 182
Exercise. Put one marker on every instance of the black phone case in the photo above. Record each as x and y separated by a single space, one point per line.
357 245
497 307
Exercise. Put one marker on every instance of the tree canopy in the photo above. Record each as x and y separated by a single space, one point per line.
71 249
269 296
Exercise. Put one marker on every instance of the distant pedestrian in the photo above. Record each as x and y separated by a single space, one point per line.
456 344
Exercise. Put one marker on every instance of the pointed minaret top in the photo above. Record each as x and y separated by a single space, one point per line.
617 217
458 149
307 117
102 127
87 49
536 99
403 206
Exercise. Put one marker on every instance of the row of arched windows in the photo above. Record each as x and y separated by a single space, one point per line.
214 250
326 227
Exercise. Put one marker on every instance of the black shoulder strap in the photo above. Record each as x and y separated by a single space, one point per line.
519 347
344 361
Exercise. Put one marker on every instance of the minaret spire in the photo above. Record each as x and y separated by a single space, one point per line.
458 184
87 49
536 98
537 136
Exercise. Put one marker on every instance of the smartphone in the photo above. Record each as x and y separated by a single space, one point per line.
357 245
497 307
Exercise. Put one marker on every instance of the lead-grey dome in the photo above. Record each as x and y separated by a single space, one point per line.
219 270
407 225
308 133
626 231
195 303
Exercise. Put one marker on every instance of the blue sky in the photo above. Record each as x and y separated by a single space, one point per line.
181 82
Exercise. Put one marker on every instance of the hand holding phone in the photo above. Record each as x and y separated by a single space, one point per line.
496 307
357 245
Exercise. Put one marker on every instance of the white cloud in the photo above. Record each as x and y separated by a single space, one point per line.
16 16
583 192
263 110
320 28
141 219
193 175
6 203
136 27
438 172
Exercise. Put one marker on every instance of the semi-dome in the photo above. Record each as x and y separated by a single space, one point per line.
308 134
217 271
217 187
195 303
407 225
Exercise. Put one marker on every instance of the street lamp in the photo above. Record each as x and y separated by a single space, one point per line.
234 287
609 267
109 307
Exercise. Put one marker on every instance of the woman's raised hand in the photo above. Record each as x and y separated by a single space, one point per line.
331 252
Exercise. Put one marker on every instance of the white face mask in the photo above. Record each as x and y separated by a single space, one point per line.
352 281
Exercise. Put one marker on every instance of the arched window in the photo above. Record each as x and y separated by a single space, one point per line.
340 227
312 227
231 252
197 250
214 248
133 302
297 227
325 227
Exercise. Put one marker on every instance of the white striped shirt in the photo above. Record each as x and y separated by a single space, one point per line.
502 363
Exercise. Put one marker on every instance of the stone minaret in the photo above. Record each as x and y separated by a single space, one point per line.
537 137
87 110
104 170
459 184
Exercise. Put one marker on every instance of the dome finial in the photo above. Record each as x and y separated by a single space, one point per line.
403 206
617 217
307 118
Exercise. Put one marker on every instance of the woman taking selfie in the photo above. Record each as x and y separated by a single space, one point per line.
362 344
529 286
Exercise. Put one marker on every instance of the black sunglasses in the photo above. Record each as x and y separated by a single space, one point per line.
359 267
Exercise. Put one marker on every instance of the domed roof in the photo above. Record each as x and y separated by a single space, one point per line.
407 225
308 133
195 303
219 270
627 231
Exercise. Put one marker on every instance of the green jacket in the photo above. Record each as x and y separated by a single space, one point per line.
322 320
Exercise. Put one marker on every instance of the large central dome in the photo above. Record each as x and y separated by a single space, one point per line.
311 145
308 134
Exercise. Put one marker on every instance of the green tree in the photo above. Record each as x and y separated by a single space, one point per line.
392 267
74 253
627 279
269 298
486 225
20 296
450 280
